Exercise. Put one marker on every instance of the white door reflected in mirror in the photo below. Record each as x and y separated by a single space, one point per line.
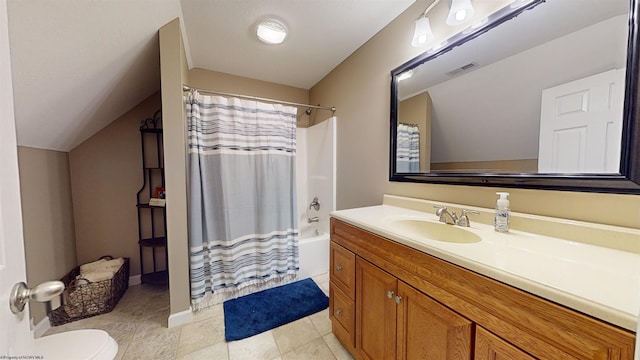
581 125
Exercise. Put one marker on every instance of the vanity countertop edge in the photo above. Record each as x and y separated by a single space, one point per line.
583 299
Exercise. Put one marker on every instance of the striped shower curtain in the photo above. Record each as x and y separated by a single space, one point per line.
243 233
408 149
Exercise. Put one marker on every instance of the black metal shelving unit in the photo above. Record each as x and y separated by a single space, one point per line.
152 218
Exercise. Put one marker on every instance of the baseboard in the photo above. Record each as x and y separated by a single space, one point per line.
135 280
41 327
180 318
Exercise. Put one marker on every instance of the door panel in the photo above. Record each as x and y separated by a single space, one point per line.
15 336
581 125
429 330
375 312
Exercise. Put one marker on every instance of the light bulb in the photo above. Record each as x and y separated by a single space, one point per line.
271 31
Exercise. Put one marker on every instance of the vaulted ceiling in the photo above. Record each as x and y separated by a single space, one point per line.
79 64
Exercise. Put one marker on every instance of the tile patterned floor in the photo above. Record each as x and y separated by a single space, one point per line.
139 325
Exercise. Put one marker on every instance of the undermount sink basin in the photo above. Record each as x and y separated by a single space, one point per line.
425 229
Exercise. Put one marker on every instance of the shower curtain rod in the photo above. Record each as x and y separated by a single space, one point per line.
332 108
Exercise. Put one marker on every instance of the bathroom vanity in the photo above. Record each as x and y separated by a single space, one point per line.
404 285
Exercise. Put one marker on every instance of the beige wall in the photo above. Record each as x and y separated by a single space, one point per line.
502 166
217 81
106 174
360 89
417 110
47 215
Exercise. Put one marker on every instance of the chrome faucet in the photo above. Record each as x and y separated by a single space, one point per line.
314 204
313 219
451 218
464 219
445 216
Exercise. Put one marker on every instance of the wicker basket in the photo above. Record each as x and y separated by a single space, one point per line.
82 300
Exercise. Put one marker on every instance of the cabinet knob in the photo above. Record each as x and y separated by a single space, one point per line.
398 299
338 311
390 294
338 267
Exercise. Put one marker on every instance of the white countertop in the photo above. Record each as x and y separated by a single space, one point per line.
598 281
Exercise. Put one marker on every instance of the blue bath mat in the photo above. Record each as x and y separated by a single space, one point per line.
258 312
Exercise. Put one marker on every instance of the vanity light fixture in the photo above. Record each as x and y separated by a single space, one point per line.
405 75
422 33
459 12
271 31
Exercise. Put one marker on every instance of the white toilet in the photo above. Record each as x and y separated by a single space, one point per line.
88 344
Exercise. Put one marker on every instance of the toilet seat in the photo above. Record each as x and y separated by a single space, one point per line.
87 344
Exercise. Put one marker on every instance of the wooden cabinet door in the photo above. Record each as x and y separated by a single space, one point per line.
429 330
491 347
375 312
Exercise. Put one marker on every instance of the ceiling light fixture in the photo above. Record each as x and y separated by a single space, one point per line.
405 75
422 33
459 12
271 31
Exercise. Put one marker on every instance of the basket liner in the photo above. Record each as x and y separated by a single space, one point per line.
81 300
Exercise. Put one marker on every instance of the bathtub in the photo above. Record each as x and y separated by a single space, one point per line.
314 253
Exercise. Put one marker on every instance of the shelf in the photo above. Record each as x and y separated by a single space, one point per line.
151 131
146 206
156 278
160 241
152 225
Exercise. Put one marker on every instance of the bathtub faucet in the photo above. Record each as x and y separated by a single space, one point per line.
315 204
313 219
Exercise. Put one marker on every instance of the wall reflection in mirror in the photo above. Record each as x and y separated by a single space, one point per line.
540 93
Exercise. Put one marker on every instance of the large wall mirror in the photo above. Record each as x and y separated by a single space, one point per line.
542 96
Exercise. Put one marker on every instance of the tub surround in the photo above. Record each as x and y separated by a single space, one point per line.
315 182
314 255
601 280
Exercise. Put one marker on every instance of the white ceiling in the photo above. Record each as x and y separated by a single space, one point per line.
80 64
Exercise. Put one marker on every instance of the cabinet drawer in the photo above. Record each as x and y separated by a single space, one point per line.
490 347
343 267
341 312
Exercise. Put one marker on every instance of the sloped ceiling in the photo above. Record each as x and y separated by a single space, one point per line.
79 64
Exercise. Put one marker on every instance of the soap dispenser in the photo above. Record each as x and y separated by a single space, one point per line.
502 218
